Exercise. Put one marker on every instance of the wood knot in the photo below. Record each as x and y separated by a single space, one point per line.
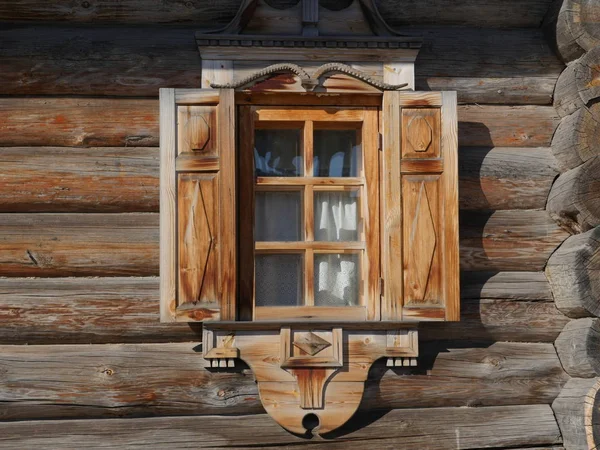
108 372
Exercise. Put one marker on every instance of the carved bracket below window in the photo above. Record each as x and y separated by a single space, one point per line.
309 83
304 371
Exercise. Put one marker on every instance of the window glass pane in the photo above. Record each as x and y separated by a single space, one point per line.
277 153
336 215
278 216
336 153
278 279
337 279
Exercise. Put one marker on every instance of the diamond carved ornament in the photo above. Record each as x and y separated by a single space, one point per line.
419 134
310 343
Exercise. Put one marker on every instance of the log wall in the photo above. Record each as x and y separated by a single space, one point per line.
79 239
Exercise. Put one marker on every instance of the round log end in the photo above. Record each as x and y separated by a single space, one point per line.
574 275
578 348
574 200
587 75
583 17
577 138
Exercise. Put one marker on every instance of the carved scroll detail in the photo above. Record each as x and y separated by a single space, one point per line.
309 83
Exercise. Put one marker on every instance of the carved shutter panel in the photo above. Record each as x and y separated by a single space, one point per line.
420 206
197 205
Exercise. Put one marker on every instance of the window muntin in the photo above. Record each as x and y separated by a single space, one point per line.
315 251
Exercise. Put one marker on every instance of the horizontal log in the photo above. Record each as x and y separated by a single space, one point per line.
505 306
577 138
51 245
434 429
93 381
577 348
485 14
62 179
578 84
505 178
125 179
576 410
489 13
574 201
55 245
134 122
483 65
507 240
573 271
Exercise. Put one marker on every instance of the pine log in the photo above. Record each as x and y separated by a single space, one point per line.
557 27
577 411
574 201
578 84
574 275
125 179
203 14
58 245
127 380
505 306
505 178
507 240
484 14
578 348
577 138
484 65
134 122
62 179
409 429
578 29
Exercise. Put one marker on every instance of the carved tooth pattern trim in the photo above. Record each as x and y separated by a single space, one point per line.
308 82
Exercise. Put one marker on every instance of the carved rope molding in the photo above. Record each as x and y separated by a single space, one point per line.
574 204
309 83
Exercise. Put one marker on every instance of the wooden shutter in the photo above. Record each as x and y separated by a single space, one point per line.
197 205
419 198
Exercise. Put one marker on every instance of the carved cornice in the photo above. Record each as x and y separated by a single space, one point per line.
309 82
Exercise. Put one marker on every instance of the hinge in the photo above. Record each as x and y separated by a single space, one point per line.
380 142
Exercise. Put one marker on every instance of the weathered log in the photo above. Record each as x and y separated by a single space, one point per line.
577 411
484 14
507 306
577 138
507 240
79 244
415 429
134 122
492 66
125 179
574 275
578 84
578 348
578 28
55 245
558 32
574 201
202 14
61 179
62 381
505 178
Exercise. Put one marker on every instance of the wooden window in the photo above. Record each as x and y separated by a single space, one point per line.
309 180
334 224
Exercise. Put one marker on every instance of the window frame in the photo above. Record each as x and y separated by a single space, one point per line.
363 118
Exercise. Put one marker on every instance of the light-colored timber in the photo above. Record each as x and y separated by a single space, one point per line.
494 427
576 410
102 381
573 274
574 201
578 348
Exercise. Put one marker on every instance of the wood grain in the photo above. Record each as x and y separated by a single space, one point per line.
468 428
127 244
577 347
483 65
578 84
120 122
127 380
508 306
573 274
507 240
